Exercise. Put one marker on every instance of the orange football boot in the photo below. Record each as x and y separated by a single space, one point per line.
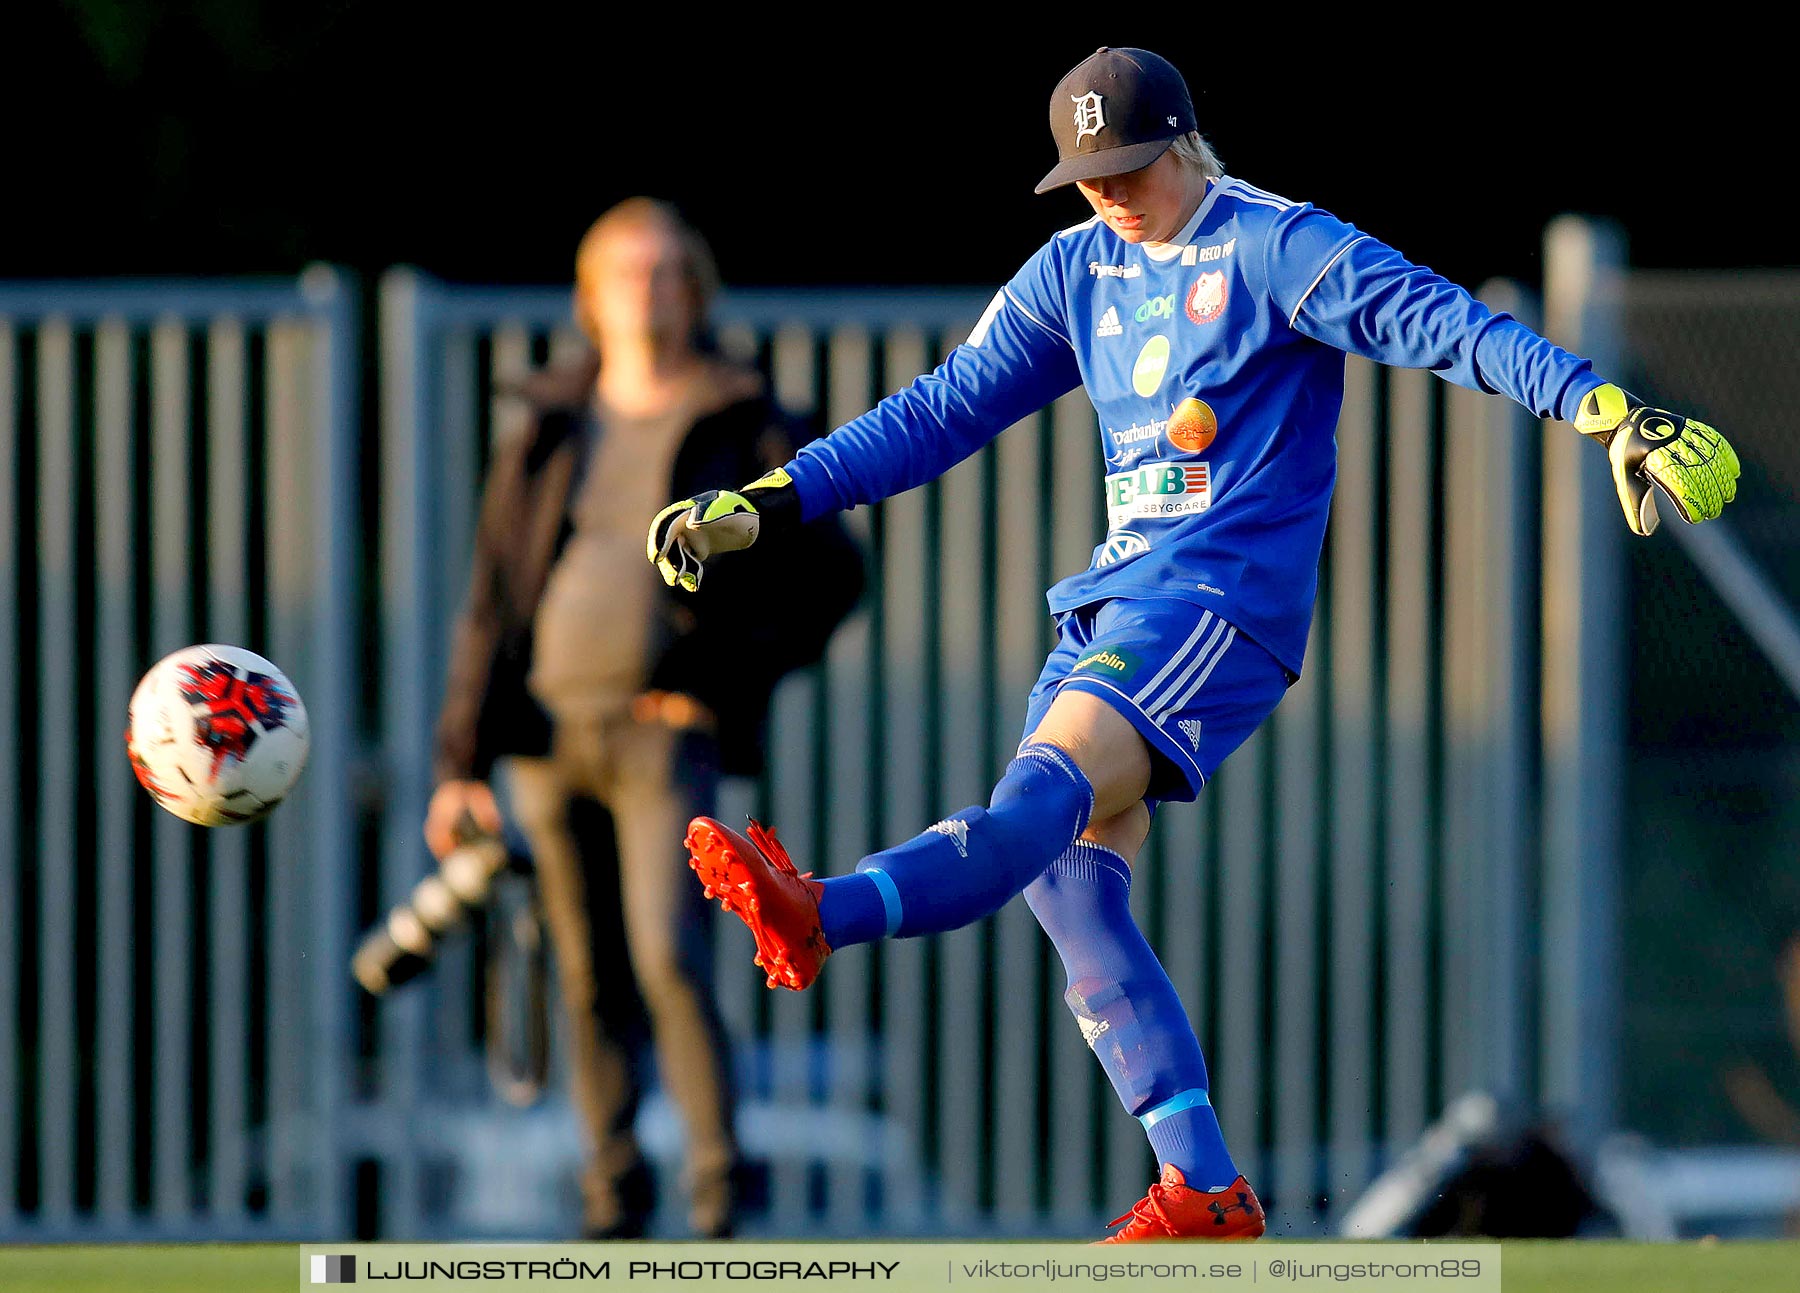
1173 1211
755 880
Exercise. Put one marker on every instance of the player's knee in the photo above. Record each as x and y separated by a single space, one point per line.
1105 746
1122 833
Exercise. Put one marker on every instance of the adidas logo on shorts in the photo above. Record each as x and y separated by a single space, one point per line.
1190 728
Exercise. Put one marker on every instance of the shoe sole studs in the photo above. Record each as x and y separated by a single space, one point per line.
713 860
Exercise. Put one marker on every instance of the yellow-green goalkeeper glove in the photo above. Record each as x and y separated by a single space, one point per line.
685 535
1688 460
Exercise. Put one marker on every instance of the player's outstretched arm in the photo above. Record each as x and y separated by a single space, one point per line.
1369 300
1017 360
1689 461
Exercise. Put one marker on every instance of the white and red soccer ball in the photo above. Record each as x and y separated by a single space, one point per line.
217 734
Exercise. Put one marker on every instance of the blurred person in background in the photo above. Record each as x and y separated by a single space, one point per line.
571 657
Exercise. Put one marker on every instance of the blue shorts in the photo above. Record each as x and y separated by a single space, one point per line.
1189 682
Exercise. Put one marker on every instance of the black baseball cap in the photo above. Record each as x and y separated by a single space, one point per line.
1117 111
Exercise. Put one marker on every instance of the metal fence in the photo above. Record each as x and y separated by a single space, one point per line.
176 465
1349 914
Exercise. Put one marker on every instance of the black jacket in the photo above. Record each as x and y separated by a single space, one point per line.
758 614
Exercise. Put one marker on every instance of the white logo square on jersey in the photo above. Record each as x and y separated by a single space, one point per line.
1206 298
1157 491
1109 325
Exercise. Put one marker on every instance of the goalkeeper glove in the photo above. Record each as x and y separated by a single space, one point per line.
685 535
1691 463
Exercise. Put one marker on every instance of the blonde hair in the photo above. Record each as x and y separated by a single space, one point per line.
1192 151
651 213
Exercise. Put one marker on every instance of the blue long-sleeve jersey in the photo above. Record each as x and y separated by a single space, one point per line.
1215 363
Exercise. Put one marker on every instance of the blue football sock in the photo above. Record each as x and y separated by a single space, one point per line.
968 865
1129 1011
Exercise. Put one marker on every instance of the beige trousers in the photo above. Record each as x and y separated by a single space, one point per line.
646 920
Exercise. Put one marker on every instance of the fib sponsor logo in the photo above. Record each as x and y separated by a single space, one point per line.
1192 425
1152 364
1157 491
1206 298
1113 662
1157 307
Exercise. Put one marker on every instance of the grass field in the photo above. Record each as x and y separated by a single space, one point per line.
1591 1267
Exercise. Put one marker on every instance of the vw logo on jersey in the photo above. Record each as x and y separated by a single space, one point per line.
1119 545
1152 364
1206 298
1157 307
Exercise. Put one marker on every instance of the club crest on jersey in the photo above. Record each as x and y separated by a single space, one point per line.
1090 115
1206 298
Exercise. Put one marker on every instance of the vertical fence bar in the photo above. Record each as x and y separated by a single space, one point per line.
508 362
791 764
1019 944
116 504
293 1184
960 959
58 776
1238 793
849 382
290 1178
1353 728
172 626
1512 699
1470 509
332 382
12 811
227 549
409 414
1074 1074
1583 713
735 987
906 586
1406 784
1295 982
451 369
1181 834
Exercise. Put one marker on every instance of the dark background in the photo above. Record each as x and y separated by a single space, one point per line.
840 144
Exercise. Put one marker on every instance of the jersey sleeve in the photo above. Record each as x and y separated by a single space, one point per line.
1340 286
1017 359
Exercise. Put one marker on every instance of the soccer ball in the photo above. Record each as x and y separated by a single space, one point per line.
216 734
